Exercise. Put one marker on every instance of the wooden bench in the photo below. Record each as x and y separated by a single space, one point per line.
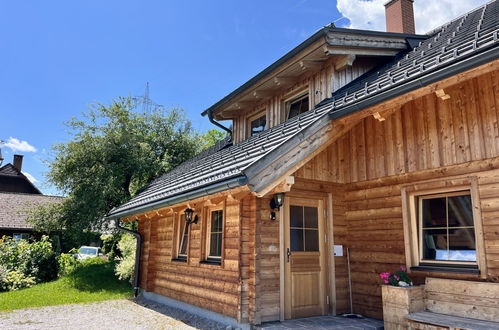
454 304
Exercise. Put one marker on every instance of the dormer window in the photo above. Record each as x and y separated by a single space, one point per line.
297 105
257 124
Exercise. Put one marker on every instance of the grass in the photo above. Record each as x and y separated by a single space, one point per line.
89 283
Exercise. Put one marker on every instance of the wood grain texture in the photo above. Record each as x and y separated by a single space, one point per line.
320 86
423 139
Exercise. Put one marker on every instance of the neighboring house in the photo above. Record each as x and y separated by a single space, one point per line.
13 180
382 146
14 212
17 195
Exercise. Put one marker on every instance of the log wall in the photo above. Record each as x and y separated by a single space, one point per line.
228 288
268 277
425 139
319 86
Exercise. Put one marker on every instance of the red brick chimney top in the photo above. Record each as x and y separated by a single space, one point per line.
400 16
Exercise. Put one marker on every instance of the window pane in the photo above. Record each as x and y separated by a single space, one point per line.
434 244
460 211
434 212
311 240
184 239
297 107
311 217
296 216
258 125
296 239
462 245
216 221
216 245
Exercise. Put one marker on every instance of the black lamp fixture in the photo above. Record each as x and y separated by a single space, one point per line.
276 203
188 216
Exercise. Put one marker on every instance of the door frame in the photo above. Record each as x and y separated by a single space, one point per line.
326 261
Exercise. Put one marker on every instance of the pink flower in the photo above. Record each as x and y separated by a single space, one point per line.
386 281
384 275
396 277
402 268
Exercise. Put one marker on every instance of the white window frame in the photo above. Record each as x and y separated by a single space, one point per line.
180 237
208 234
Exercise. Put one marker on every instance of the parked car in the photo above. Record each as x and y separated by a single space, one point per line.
87 252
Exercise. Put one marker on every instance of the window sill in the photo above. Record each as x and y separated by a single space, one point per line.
179 259
211 262
447 269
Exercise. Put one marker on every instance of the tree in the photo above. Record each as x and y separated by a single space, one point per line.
113 152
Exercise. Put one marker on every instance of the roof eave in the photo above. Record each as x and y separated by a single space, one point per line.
295 51
453 69
176 199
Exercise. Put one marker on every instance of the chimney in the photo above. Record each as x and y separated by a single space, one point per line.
400 16
18 162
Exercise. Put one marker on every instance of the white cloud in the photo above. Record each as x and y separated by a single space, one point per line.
30 177
429 14
19 145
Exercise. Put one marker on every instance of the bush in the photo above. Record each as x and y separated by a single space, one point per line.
15 280
24 264
126 264
67 263
110 245
40 261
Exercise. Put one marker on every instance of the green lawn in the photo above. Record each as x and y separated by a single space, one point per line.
90 283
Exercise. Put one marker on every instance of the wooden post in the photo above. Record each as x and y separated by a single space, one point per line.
400 301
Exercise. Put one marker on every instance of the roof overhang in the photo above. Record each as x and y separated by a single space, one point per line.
176 199
328 45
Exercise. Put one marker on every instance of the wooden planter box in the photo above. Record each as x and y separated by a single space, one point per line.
400 301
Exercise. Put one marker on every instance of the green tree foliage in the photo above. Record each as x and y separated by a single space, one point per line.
112 153
211 137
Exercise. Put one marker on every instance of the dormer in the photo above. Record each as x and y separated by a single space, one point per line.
305 76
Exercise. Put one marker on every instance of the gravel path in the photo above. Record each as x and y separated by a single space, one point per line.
114 314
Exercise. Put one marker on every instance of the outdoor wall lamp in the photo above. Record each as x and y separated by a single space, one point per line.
188 216
276 203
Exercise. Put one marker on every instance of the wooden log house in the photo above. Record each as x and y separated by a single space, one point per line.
382 143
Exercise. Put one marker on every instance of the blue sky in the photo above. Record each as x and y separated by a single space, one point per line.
58 57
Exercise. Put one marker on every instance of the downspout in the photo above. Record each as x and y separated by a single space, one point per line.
137 256
210 118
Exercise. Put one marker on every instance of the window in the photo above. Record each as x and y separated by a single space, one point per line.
215 236
446 230
18 236
297 105
182 242
443 226
304 228
257 125
183 238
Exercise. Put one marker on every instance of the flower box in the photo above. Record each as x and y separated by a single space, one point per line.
400 301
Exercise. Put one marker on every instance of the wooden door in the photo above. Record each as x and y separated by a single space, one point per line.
304 282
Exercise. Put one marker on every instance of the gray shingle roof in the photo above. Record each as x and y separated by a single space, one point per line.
469 35
13 208
466 36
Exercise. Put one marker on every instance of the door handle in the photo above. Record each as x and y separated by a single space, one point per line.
288 253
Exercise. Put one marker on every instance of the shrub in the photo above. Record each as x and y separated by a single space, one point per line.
110 245
126 264
15 280
40 261
67 263
23 262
